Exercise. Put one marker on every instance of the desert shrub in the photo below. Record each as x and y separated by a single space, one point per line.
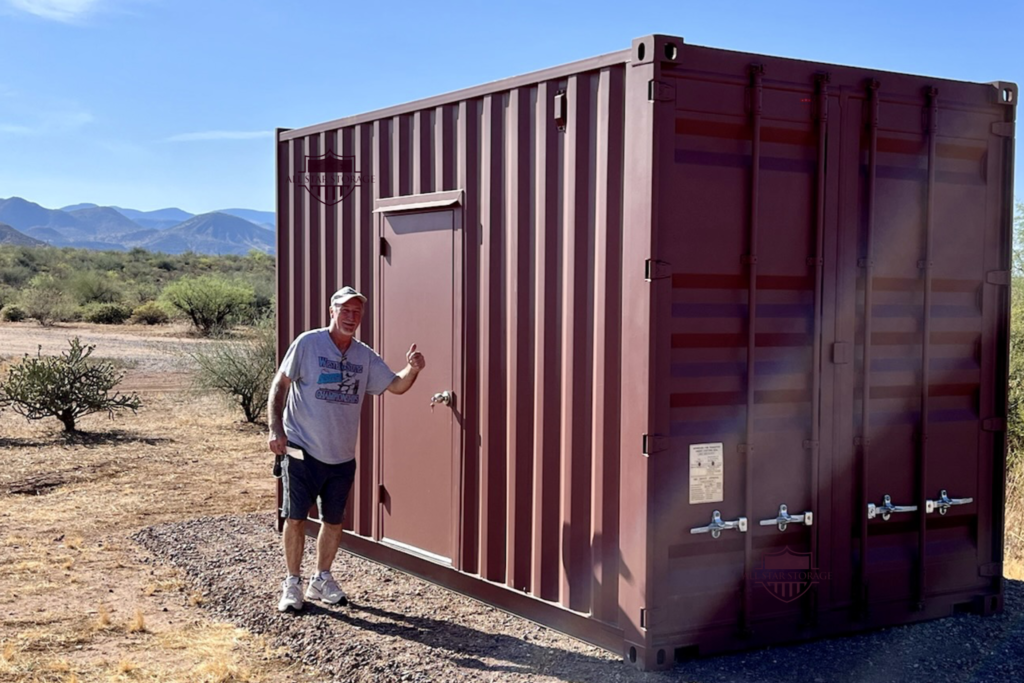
1015 380
15 275
149 313
106 314
46 301
66 387
90 286
209 302
239 370
8 295
12 313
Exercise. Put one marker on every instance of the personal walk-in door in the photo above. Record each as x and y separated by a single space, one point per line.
418 448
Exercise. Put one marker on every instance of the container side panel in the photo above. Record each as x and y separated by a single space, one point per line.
468 161
519 348
546 531
492 342
607 378
540 226
576 317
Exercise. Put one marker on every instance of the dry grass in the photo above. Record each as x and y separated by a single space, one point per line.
103 617
124 619
137 623
1013 564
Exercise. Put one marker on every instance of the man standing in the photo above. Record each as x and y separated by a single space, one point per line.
314 407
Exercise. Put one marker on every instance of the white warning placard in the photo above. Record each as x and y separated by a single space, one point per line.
707 473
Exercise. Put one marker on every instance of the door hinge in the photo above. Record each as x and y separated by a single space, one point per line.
998 277
384 248
994 424
840 353
1003 129
657 270
382 493
654 443
993 569
659 91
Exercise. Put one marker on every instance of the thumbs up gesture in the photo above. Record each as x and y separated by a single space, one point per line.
415 359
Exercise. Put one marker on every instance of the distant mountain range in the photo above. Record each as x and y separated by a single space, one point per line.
172 231
9 235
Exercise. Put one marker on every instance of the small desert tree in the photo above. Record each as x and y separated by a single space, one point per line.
240 370
66 387
208 301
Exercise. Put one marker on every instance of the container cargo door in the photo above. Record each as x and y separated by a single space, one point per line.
748 372
417 448
923 293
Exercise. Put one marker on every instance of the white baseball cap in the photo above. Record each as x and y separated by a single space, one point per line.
344 294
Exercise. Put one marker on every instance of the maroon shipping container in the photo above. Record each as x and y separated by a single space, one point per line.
724 335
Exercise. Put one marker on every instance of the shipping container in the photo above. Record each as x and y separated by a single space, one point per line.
717 343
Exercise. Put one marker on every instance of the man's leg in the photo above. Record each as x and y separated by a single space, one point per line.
293 540
327 542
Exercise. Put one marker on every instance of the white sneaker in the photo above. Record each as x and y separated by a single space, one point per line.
291 595
325 589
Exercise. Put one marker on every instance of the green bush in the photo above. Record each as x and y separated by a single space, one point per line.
91 286
67 387
209 302
13 313
149 313
46 301
241 371
106 314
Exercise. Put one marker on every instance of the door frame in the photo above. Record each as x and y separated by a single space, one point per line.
451 200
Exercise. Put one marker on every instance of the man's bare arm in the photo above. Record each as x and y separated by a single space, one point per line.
277 440
406 377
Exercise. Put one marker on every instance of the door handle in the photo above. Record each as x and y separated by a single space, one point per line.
717 526
887 508
784 519
444 397
943 503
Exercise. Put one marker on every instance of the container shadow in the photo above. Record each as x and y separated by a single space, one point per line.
472 647
963 648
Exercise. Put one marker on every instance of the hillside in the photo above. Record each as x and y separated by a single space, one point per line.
89 226
9 235
212 233
104 220
22 214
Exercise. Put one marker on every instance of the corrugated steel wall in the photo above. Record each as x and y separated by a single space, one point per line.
541 309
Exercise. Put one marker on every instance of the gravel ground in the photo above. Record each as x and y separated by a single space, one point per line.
399 628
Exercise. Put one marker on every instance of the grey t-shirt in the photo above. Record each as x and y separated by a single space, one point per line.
322 411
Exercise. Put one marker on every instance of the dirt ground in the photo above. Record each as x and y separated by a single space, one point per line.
142 553
80 601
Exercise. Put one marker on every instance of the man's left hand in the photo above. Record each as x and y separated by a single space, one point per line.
415 359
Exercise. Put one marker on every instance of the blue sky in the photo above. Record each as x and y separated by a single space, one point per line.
154 103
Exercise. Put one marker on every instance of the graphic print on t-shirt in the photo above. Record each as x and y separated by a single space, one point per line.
343 374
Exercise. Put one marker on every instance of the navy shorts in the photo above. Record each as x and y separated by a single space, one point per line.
308 479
